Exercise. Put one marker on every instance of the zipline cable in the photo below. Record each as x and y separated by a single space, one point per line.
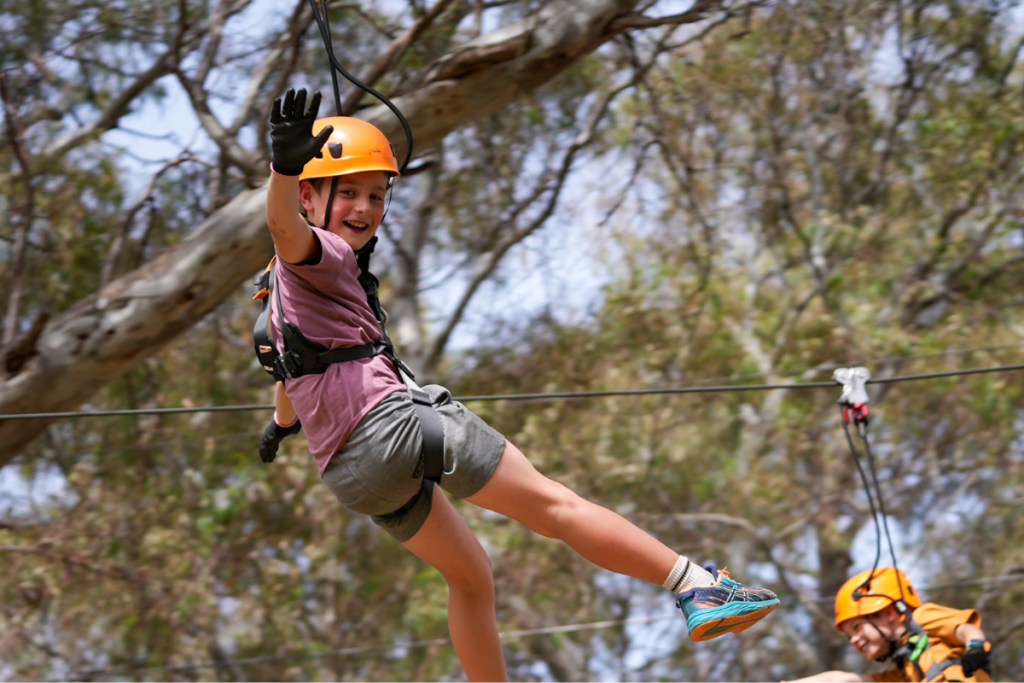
550 396
823 367
547 630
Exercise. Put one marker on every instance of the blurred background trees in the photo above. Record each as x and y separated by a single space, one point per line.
627 194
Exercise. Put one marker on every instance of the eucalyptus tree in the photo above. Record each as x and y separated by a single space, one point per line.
77 69
165 545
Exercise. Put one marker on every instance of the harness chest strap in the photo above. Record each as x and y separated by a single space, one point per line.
301 356
915 646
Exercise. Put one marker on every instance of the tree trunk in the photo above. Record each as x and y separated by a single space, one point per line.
109 332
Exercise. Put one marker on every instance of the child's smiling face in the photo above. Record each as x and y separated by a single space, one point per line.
358 206
870 636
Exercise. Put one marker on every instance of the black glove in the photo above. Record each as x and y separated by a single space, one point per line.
272 438
292 143
978 655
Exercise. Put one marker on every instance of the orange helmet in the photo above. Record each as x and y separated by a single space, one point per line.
882 590
354 146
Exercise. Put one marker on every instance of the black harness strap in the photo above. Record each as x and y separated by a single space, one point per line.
433 435
301 356
430 423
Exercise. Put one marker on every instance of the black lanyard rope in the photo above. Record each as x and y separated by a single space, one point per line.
320 14
860 418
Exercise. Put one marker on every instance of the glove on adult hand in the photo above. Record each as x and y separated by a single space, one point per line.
272 437
292 144
978 655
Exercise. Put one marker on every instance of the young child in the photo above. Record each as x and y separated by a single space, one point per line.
926 642
364 432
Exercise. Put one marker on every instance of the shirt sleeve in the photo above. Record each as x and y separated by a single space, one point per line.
941 622
336 256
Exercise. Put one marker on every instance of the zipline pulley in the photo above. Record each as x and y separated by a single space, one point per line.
854 399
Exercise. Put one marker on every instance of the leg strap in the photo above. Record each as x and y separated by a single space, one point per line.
433 435
426 489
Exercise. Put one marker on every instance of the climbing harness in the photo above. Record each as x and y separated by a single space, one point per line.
304 357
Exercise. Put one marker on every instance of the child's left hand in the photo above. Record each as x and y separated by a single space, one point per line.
978 655
272 438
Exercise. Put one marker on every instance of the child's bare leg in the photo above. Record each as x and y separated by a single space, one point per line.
445 542
518 490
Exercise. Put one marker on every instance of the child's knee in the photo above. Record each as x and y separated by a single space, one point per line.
562 504
473 576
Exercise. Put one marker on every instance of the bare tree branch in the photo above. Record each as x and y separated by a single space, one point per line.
112 113
696 13
390 57
116 246
489 261
16 135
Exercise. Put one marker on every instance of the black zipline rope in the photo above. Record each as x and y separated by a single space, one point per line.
862 431
325 34
871 502
320 14
881 510
552 396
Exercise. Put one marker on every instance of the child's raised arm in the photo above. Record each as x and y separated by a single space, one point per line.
292 146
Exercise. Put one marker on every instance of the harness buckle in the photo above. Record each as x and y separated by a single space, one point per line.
288 364
854 398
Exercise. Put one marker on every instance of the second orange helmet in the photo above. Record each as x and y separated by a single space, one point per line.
883 590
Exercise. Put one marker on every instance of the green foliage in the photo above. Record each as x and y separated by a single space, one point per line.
799 204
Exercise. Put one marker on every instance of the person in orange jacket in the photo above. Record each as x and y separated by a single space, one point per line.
882 616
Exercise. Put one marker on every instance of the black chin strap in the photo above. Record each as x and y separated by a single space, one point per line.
893 643
330 202
910 650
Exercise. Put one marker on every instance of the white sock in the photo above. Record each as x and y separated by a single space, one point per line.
686 575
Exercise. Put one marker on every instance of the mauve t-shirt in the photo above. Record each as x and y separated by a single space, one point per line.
329 305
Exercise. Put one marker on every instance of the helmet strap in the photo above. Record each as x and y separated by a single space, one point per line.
893 642
391 193
330 202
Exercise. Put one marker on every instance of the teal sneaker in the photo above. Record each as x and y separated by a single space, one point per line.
725 607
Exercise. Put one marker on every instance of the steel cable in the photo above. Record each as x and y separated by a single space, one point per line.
549 396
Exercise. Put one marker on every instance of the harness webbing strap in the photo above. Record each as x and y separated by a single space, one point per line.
433 435
936 669
430 422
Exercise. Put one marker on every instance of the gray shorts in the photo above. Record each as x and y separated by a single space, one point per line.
374 472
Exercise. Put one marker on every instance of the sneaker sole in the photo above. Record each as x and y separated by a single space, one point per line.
732 624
